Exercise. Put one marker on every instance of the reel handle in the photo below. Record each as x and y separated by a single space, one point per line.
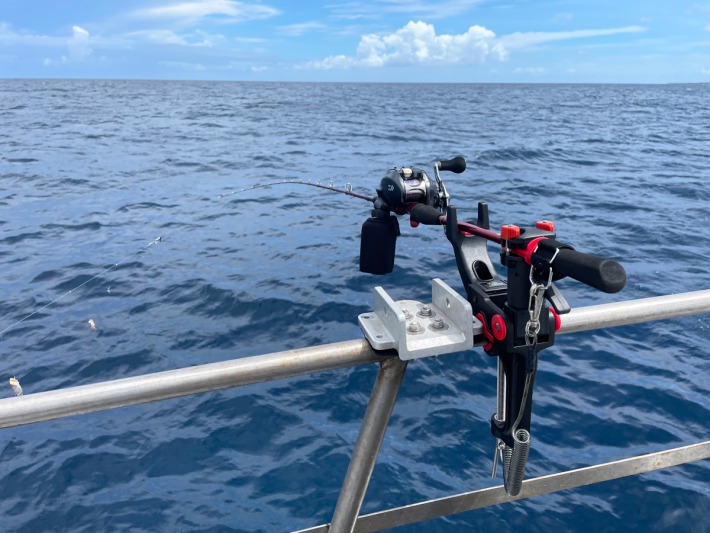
456 165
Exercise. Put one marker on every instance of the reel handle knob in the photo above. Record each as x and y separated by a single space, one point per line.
456 165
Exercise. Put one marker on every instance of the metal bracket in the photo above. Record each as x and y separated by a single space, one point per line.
418 330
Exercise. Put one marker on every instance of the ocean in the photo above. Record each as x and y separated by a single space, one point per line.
93 172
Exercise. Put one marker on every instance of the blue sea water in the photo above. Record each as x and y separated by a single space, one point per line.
93 171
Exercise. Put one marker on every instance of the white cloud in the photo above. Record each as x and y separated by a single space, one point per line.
418 44
197 67
78 48
196 10
523 40
535 71
169 37
157 37
209 39
296 30
78 44
9 36
429 10
249 40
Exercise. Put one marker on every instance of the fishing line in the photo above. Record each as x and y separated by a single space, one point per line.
154 242
348 190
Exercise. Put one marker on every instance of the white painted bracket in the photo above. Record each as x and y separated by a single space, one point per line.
416 330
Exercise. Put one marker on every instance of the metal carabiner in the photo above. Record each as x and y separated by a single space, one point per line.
535 303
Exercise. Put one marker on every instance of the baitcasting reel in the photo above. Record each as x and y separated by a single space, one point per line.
399 189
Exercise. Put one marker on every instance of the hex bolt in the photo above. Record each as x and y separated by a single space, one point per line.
414 327
425 310
438 323
407 314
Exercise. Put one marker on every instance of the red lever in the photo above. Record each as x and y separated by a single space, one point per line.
486 332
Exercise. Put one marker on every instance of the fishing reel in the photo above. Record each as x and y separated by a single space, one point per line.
399 189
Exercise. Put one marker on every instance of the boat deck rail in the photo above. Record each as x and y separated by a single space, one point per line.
49 405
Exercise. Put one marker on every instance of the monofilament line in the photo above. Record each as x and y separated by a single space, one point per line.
39 310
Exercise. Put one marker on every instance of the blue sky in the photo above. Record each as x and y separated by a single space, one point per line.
376 40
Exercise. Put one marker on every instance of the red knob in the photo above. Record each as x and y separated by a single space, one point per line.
546 225
499 328
509 232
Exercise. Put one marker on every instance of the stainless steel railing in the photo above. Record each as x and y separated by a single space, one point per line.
182 382
71 401
469 501
238 372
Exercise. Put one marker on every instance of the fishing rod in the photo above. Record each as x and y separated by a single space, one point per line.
519 314
348 190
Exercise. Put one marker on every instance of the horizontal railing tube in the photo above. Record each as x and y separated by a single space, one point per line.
581 477
191 380
636 311
49 405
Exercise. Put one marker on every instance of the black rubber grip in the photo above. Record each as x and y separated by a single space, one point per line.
456 165
425 214
604 274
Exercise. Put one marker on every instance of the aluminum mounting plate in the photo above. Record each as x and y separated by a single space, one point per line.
416 330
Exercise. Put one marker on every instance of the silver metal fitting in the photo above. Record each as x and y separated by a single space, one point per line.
414 327
425 311
417 330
